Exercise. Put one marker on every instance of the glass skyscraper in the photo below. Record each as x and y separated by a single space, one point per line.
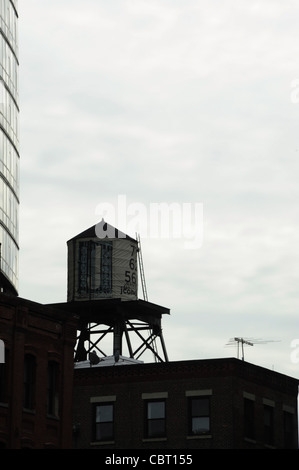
9 147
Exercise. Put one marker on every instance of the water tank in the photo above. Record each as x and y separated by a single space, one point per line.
102 264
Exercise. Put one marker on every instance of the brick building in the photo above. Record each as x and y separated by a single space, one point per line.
212 404
36 380
201 404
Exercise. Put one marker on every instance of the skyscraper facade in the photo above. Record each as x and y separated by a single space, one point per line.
9 146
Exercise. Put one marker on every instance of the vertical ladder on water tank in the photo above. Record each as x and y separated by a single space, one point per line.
143 285
141 268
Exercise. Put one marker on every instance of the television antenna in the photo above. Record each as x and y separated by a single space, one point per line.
246 341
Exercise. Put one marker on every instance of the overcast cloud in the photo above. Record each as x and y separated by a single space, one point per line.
169 101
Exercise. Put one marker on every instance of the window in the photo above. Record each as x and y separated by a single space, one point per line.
29 382
4 368
288 425
268 425
199 415
104 422
155 418
53 389
249 429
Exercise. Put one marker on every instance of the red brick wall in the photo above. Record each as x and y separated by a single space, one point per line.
30 328
228 379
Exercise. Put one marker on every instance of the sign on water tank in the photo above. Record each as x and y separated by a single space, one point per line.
2 352
125 262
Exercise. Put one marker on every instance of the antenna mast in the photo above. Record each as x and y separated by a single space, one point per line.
248 342
242 341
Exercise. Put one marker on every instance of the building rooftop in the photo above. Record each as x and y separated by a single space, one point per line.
108 361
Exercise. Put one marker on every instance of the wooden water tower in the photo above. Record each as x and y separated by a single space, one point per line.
103 293
102 264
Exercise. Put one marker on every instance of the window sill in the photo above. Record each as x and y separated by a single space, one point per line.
252 441
154 439
55 418
202 436
30 412
101 443
270 446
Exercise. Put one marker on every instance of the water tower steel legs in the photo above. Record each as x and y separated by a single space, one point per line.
117 339
91 335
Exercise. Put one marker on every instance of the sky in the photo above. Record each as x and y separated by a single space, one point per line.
130 103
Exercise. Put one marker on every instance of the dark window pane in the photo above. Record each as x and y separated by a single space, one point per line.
104 429
29 382
200 406
104 413
249 429
155 425
289 434
268 425
200 425
52 391
4 369
156 410
156 428
199 415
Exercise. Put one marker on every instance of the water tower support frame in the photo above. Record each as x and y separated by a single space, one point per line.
91 338
121 319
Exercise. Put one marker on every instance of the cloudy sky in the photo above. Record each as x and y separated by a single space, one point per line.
169 101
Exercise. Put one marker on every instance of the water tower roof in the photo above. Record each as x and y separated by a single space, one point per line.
105 229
